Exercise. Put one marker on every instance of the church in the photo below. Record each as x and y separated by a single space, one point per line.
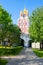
23 24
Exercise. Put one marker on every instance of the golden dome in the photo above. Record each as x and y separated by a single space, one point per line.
25 11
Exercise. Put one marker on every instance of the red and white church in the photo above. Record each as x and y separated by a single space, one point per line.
23 23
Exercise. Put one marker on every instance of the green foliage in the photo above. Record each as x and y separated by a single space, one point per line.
8 29
13 34
10 51
3 62
39 53
36 26
5 21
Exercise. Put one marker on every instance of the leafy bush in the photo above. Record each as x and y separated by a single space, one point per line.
10 51
3 62
39 53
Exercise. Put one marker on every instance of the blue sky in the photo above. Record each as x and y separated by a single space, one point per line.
15 6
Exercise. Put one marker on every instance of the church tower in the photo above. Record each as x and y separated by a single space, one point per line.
23 23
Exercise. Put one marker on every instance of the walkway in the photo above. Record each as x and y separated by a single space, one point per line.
26 57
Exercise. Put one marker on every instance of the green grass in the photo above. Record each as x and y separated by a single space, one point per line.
5 47
3 62
10 51
39 53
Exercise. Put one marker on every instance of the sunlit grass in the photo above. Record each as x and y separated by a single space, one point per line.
5 47
39 53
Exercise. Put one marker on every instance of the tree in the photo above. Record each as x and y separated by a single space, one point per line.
8 29
5 20
36 26
13 34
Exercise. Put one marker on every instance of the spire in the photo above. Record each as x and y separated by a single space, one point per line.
21 13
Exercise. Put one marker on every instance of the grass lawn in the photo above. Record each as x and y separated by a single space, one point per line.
10 50
39 53
3 62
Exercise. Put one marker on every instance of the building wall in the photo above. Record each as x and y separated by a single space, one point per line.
26 39
23 25
36 45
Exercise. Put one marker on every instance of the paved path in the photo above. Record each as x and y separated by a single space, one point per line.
26 57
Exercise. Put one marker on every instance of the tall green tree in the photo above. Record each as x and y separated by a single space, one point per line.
5 20
7 28
13 34
36 25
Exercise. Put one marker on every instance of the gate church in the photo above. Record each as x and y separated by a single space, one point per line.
23 23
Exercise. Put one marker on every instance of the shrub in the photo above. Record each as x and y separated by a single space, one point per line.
10 51
3 62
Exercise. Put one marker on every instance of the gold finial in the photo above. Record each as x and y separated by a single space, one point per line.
25 11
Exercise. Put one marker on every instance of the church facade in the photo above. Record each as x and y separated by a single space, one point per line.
23 23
